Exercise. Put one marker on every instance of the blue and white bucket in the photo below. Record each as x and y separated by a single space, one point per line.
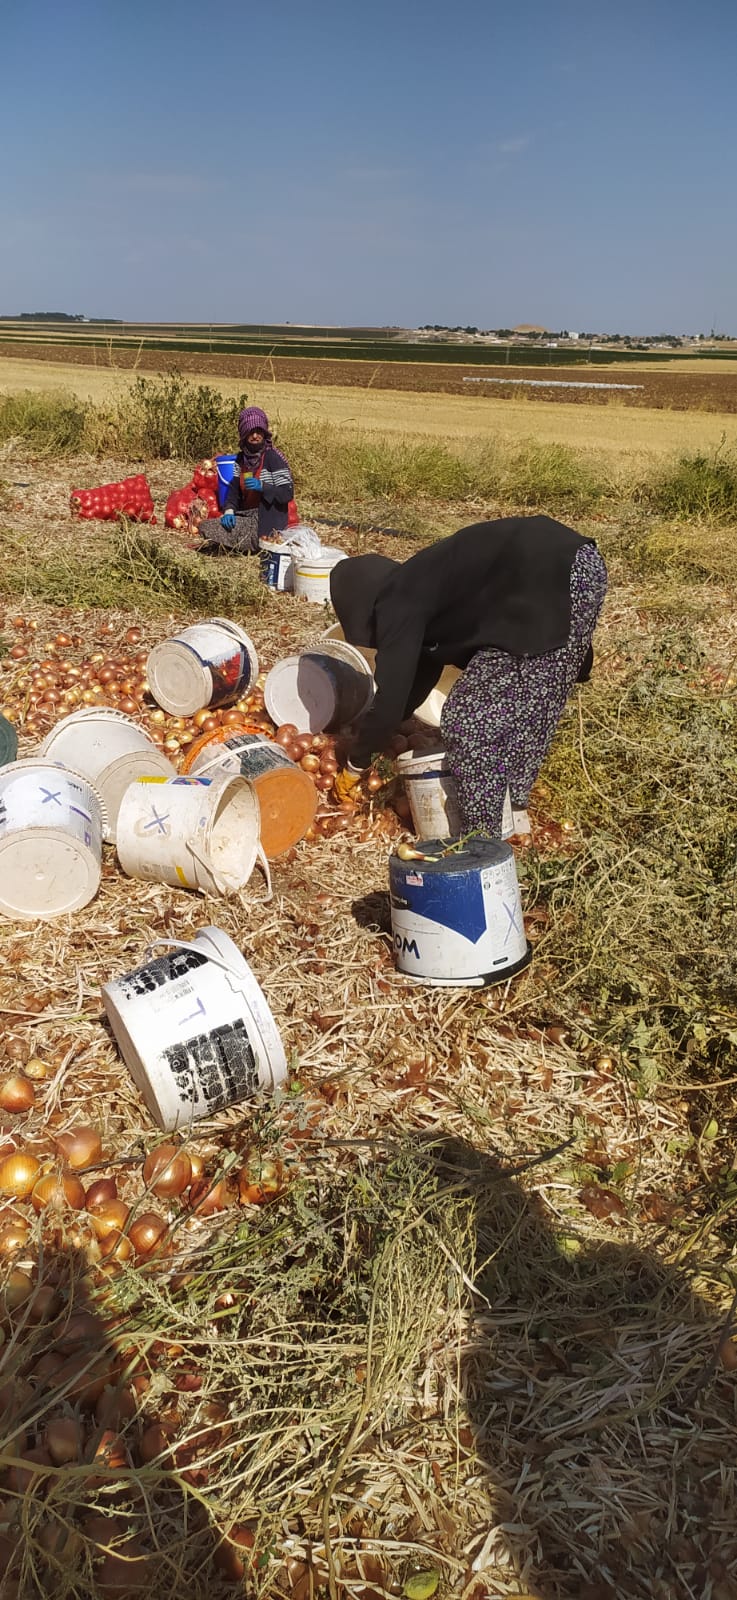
227 468
277 567
457 917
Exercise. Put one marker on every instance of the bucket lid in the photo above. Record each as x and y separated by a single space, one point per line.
8 742
473 856
298 690
179 681
44 873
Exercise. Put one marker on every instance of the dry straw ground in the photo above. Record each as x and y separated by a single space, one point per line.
478 1331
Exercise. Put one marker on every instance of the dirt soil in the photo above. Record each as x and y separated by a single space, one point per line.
659 390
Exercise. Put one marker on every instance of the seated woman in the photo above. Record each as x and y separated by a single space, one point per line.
257 501
514 604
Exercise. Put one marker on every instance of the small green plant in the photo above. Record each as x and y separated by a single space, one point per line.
170 417
697 486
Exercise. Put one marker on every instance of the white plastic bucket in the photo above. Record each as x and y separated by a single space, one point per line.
312 574
277 567
51 825
287 797
433 796
194 1030
211 663
111 750
326 688
432 706
457 919
194 833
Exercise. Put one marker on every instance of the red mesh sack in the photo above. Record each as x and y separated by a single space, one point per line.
205 476
129 497
177 507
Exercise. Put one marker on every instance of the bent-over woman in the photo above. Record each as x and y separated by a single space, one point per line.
257 501
514 604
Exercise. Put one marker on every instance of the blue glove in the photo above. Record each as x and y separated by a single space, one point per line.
252 483
228 521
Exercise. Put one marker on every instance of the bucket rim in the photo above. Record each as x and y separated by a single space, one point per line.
59 766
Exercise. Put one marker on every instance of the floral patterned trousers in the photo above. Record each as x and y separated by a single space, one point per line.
499 719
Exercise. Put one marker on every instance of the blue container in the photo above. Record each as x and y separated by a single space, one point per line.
227 470
457 918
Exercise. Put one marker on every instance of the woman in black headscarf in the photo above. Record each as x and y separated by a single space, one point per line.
514 604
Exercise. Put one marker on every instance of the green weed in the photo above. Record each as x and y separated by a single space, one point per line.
696 486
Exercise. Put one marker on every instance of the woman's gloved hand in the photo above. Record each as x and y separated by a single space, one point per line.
227 521
252 483
345 782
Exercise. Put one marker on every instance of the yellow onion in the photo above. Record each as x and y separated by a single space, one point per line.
64 1440
80 1146
18 1174
17 1094
36 1069
109 1217
147 1232
167 1171
57 1190
99 1192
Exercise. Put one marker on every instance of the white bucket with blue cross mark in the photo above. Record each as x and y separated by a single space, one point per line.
194 1029
193 833
456 913
51 829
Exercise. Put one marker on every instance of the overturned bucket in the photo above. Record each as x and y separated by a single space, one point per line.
433 796
193 833
212 663
287 797
322 689
457 918
51 828
195 1031
111 750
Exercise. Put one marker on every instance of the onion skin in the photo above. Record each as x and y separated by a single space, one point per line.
205 1198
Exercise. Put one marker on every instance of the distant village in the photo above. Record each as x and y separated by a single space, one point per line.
530 333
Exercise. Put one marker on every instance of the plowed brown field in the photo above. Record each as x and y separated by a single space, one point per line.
658 389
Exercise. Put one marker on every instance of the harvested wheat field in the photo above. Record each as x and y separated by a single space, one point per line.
452 1312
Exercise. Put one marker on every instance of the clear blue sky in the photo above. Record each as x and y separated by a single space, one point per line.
569 162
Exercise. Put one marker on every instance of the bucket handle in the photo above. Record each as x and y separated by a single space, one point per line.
188 944
222 884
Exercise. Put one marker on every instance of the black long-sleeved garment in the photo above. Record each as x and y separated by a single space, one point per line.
495 585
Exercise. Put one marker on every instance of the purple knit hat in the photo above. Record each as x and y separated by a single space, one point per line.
252 418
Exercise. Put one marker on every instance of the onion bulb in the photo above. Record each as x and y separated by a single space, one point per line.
81 1146
13 1237
18 1174
206 1197
147 1232
167 1171
64 1440
17 1094
109 1217
57 1190
286 734
100 1192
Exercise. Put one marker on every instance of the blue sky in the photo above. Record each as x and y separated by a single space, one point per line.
569 162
